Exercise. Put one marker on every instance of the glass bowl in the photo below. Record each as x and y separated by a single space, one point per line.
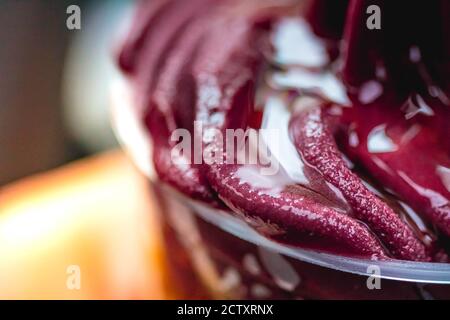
212 254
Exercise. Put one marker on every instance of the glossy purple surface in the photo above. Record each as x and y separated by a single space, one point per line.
368 114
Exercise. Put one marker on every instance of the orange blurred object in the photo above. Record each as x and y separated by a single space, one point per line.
85 231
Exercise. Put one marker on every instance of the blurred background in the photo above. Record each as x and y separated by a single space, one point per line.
54 82
91 218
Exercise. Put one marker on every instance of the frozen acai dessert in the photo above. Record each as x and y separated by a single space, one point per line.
358 93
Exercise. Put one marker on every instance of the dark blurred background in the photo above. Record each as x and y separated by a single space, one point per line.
54 82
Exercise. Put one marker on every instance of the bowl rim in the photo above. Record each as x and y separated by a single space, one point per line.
401 270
